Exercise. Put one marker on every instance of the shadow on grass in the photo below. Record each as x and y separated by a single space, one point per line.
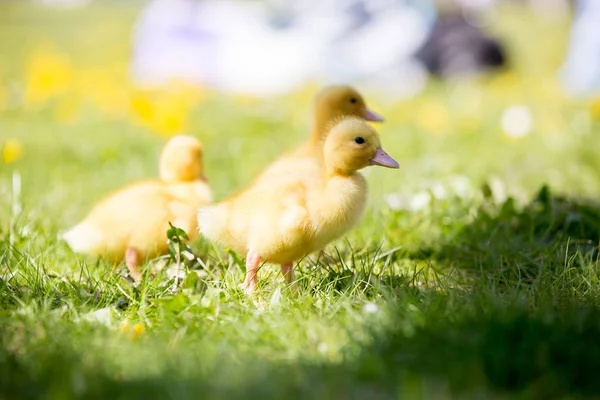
349 270
502 349
457 345
548 233
509 244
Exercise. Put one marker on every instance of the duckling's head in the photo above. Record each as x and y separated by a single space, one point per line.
336 101
181 160
352 144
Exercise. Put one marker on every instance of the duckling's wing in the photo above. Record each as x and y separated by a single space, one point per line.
137 211
295 166
271 215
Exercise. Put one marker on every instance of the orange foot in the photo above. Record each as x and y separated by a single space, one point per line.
132 260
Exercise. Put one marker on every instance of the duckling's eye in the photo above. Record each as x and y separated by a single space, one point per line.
353 100
359 140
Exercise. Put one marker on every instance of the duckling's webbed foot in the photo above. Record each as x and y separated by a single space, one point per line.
251 281
132 260
288 273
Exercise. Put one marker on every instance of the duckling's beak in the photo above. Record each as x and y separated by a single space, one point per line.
373 116
383 159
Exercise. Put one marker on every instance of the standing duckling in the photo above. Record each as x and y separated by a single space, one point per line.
331 103
280 220
132 222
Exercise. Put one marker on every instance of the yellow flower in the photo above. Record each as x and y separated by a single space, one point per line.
142 107
48 74
11 151
104 88
134 332
137 331
165 110
170 122
595 109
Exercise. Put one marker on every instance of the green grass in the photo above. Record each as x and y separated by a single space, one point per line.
489 291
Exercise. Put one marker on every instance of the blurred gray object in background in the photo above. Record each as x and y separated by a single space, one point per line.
457 48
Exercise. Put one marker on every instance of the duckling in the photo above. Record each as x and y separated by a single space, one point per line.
331 103
279 220
132 222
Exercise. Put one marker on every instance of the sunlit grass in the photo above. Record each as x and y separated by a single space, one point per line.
467 276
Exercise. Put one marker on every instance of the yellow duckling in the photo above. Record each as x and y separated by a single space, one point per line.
132 222
284 218
331 104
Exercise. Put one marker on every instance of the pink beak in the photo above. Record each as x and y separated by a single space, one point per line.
384 160
372 116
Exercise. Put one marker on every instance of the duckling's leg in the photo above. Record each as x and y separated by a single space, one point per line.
251 281
132 260
288 273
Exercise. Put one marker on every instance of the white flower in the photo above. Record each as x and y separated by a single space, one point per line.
498 190
461 185
322 348
420 201
370 308
413 203
103 316
439 191
517 121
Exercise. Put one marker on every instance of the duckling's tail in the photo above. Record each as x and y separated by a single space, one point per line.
83 238
212 221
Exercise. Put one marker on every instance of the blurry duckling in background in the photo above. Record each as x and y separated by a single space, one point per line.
280 220
132 222
331 103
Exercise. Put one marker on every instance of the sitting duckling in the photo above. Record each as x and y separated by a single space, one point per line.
132 222
280 220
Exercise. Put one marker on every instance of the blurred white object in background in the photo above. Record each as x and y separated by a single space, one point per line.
270 48
375 47
517 121
168 44
581 70
254 58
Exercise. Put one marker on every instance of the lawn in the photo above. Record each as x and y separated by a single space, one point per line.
474 273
